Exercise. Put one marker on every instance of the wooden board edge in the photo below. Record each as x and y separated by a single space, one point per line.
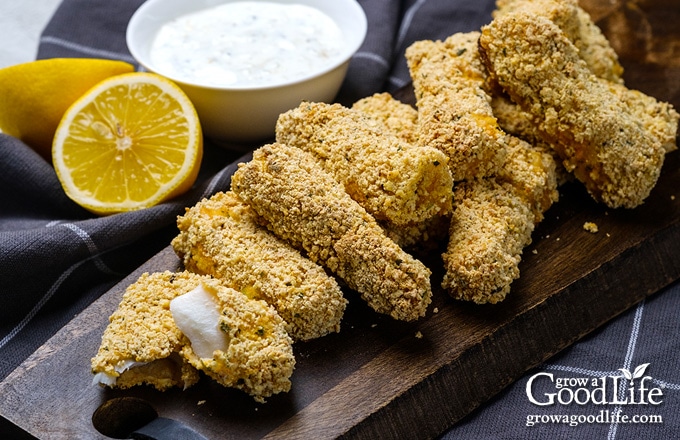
458 381
12 387
396 417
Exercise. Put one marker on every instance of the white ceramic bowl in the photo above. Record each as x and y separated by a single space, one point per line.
246 114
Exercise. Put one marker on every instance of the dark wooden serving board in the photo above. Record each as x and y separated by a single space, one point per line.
376 378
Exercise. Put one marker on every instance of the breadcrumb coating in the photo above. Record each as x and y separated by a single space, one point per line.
659 118
595 49
391 114
532 173
392 179
492 222
306 206
519 123
259 359
143 331
592 129
575 22
220 236
454 110
490 226
514 120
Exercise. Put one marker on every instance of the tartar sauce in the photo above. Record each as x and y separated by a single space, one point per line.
247 44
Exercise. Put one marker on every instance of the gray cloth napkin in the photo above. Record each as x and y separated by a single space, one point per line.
56 258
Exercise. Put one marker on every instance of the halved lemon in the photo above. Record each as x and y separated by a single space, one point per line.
132 141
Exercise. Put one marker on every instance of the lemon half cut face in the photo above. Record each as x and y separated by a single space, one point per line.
131 142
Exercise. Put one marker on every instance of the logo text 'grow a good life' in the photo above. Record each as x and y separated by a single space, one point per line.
626 389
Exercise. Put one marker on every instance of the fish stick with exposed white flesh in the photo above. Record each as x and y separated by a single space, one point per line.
169 325
304 205
221 237
239 342
141 343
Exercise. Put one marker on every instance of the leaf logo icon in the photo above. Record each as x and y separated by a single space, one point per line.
626 373
636 374
640 371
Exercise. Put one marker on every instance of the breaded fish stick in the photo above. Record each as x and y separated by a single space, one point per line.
594 49
391 114
306 206
400 119
591 128
532 173
392 179
575 22
141 343
520 124
659 118
153 336
220 236
237 341
492 223
490 226
454 111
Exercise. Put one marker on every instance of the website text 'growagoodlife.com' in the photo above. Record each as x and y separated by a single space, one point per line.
603 417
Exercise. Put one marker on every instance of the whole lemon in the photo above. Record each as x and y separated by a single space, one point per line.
35 95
